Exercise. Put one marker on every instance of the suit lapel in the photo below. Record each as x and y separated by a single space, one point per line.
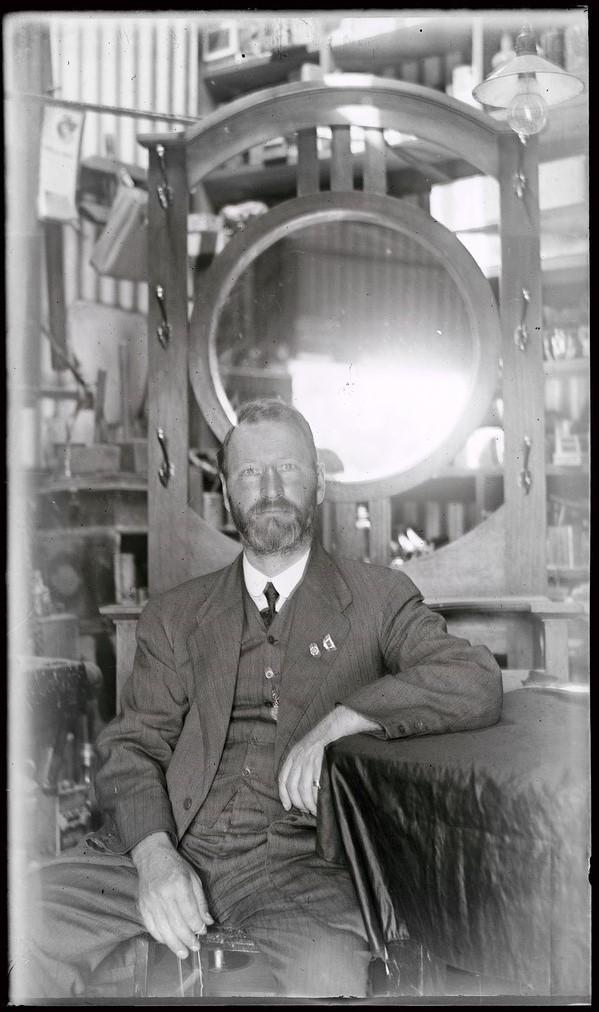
214 647
318 619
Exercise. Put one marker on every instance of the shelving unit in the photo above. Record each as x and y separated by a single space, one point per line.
228 80
273 183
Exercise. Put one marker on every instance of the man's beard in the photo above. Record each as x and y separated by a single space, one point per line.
267 534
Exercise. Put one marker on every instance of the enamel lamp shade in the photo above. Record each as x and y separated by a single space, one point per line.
523 88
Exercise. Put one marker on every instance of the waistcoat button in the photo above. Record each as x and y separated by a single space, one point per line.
187 804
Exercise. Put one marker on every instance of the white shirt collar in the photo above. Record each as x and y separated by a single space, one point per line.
285 582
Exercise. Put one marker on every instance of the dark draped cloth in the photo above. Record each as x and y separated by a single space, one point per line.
478 841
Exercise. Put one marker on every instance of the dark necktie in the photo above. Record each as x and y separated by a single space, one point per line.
271 594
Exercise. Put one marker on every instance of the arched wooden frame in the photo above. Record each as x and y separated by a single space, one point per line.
344 100
190 546
291 217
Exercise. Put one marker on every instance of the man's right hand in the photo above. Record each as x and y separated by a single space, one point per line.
171 900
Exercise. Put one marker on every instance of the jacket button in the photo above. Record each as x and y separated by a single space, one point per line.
419 725
401 728
271 639
187 804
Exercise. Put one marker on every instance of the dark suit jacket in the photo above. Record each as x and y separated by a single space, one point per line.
393 662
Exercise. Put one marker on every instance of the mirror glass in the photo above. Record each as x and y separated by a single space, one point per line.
365 331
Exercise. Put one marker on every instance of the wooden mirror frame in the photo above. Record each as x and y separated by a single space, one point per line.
386 212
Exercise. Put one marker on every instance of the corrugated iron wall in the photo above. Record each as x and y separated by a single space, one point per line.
148 63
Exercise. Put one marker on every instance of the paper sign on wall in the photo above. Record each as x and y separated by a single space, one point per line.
59 162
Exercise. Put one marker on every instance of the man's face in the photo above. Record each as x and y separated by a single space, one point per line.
272 487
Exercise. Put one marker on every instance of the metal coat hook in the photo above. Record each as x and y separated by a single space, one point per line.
166 469
520 183
163 331
163 191
520 180
521 335
525 479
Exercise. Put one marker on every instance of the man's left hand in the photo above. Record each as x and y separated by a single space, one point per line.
299 776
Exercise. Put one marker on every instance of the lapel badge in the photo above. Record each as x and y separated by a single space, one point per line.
314 650
328 642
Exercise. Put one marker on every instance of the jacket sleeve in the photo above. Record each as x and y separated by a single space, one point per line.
437 682
136 747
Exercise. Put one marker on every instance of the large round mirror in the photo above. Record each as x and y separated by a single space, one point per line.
379 328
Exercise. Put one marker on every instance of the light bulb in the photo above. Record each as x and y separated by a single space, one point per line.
527 114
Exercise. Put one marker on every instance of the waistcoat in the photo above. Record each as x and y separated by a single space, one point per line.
248 754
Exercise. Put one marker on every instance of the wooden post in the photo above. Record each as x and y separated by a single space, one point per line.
349 542
308 170
380 531
375 170
342 173
57 313
28 68
523 378
168 388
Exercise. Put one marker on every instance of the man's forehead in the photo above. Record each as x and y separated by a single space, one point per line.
267 435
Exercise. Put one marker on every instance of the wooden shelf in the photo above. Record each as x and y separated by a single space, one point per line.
562 471
52 393
273 183
94 483
568 572
90 530
567 367
228 80
469 472
421 38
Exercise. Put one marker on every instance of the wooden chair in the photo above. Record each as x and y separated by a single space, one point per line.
131 969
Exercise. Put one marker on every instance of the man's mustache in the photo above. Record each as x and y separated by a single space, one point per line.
280 503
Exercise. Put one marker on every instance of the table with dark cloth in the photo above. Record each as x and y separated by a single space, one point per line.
477 841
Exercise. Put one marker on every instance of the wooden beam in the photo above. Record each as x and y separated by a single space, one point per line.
523 379
375 167
342 175
348 541
308 176
380 531
28 67
168 406
253 119
57 323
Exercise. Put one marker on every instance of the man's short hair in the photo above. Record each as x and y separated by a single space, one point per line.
267 409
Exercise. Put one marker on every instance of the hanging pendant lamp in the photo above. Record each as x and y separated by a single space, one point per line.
522 89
